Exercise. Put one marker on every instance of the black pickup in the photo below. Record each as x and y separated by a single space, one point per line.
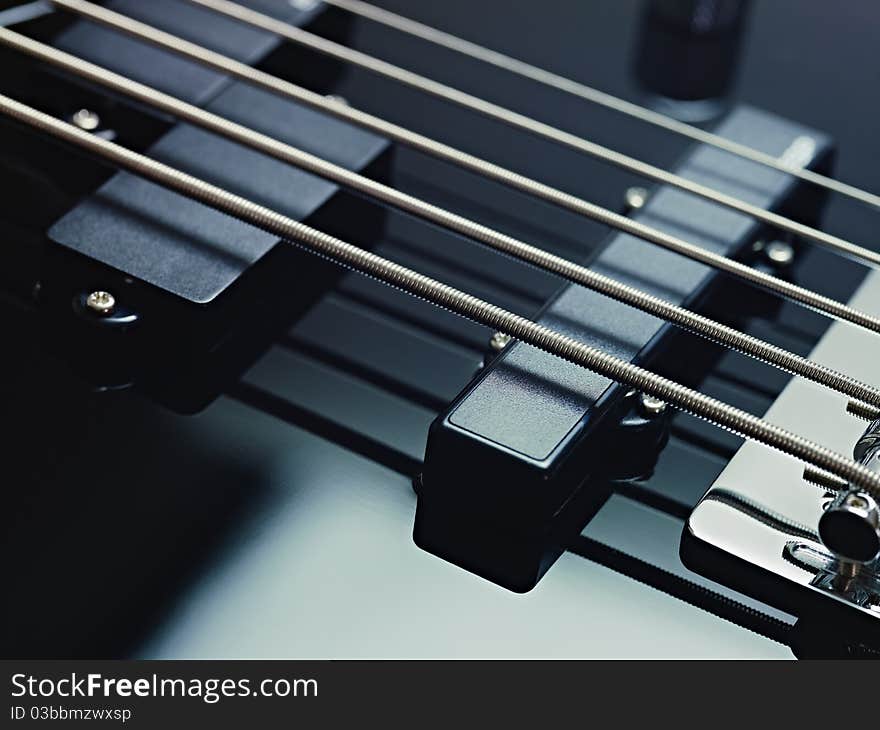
525 453
195 289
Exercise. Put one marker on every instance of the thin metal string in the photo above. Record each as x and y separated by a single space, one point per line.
470 162
722 334
533 126
466 305
595 96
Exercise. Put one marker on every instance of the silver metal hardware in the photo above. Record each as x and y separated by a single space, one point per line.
854 583
86 120
850 527
845 518
823 480
304 5
651 406
466 305
635 197
499 341
338 99
863 411
779 253
868 442
101 302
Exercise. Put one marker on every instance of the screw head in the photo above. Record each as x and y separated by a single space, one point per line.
499 341
303 5
651 406
635 197
101 302
337 99
856 501
87 120
779 253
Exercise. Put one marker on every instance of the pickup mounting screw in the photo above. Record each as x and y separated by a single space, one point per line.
651 406
779 253
87 120
635 197
101 302
303 5
499 341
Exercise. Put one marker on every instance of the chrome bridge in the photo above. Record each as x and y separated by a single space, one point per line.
798 540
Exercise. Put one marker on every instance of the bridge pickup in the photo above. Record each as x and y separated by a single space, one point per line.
524 454
196 291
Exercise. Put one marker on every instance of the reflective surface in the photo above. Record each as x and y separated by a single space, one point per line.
278 521
766 523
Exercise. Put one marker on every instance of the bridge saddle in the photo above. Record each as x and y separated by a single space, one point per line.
797 540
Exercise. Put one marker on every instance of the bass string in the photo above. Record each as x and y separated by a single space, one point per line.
536 256
528 124
457 157
593 95
698 404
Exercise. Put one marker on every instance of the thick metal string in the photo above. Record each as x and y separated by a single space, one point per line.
595 96
470 162
443 295
533 126
720 333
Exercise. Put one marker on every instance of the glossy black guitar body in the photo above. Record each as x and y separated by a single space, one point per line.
226 466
